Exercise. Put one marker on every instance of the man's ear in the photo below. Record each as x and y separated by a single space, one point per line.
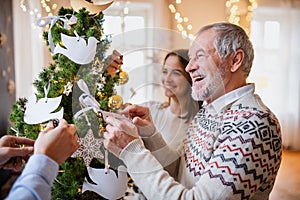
237 60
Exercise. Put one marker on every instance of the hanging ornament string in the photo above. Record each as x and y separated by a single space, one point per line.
17 132
88 102
46 91
52 20
106 161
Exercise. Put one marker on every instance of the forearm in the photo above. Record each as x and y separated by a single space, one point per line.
159 148
167 157
149 175
36 179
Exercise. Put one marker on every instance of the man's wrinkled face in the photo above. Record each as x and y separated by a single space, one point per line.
205 68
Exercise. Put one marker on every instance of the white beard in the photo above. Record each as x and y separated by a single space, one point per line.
198 96
212 86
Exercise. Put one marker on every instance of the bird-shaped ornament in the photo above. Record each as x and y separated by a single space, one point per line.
108 184
42 110
76 48
94 8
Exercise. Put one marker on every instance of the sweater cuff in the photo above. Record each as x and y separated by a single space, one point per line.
42 165
155 142
134 146
138 159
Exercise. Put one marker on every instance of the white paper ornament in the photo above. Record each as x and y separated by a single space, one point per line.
76 48
42 110
108 183
93 8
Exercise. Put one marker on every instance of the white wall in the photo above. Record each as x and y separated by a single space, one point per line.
201 12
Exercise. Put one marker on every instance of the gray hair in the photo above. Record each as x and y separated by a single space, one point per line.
231 38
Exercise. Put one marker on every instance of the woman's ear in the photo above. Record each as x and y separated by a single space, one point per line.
237 60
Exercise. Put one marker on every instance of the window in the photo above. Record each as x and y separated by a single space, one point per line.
127 24
271 34
275 35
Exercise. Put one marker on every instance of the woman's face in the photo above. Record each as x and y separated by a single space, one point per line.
173 80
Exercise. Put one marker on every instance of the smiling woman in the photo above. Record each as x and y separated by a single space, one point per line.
172 118
180 108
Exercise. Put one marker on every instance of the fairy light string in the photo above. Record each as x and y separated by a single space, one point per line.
182 22
48 7
238 12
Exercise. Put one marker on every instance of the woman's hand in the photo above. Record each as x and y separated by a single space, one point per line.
114 63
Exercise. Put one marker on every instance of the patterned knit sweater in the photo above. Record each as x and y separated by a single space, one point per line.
231 152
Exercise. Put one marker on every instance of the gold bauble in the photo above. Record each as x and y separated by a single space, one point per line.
102 129
100 95
115 102
123 77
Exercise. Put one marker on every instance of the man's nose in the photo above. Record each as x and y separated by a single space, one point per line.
190 67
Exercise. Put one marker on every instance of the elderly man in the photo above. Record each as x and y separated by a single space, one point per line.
233 146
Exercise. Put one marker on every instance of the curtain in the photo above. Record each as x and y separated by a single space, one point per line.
275 31
28 45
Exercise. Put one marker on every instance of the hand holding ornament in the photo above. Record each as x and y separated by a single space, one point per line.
141 117
57 143
114 63
121 131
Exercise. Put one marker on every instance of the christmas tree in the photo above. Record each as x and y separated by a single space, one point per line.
61 77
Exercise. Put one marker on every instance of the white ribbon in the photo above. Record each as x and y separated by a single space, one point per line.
17 132
88 102
52 20
46 91
86 99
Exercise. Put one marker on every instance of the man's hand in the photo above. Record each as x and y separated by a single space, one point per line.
13 151
120 132
141 117
58 143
